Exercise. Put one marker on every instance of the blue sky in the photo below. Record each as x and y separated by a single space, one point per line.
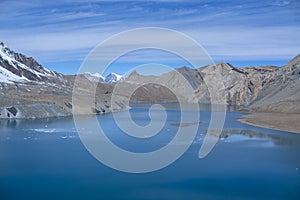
60 33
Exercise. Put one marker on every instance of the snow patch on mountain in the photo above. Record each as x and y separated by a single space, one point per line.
8 77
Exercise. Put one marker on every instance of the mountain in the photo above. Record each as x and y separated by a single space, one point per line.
110 78
113 77
29 90
242 86
96 77
16 67
265 88
281 93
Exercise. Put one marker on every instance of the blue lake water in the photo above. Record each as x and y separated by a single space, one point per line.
45 159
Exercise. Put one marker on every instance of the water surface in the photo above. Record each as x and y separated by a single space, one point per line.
45 159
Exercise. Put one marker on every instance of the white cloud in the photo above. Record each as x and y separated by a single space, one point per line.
234 33
236 43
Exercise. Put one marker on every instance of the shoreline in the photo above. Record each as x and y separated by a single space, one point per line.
289 122
276 121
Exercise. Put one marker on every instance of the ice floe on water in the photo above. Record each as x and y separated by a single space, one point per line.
44 130
42 133
53 130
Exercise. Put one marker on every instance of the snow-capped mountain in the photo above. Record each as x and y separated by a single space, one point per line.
16 67
110 78
96 77
113 77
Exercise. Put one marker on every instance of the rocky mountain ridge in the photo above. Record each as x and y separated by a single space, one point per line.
16 67
266 88
28 90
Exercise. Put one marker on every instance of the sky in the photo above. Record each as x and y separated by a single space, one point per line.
61 33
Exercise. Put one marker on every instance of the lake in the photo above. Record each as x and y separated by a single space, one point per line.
45 159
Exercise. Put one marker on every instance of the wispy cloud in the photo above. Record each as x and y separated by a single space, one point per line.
230 30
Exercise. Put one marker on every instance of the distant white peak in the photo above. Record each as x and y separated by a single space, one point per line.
96 77
95 74
113 77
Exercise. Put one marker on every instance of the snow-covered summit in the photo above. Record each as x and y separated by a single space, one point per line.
96 77
16 67
113 77
110 78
